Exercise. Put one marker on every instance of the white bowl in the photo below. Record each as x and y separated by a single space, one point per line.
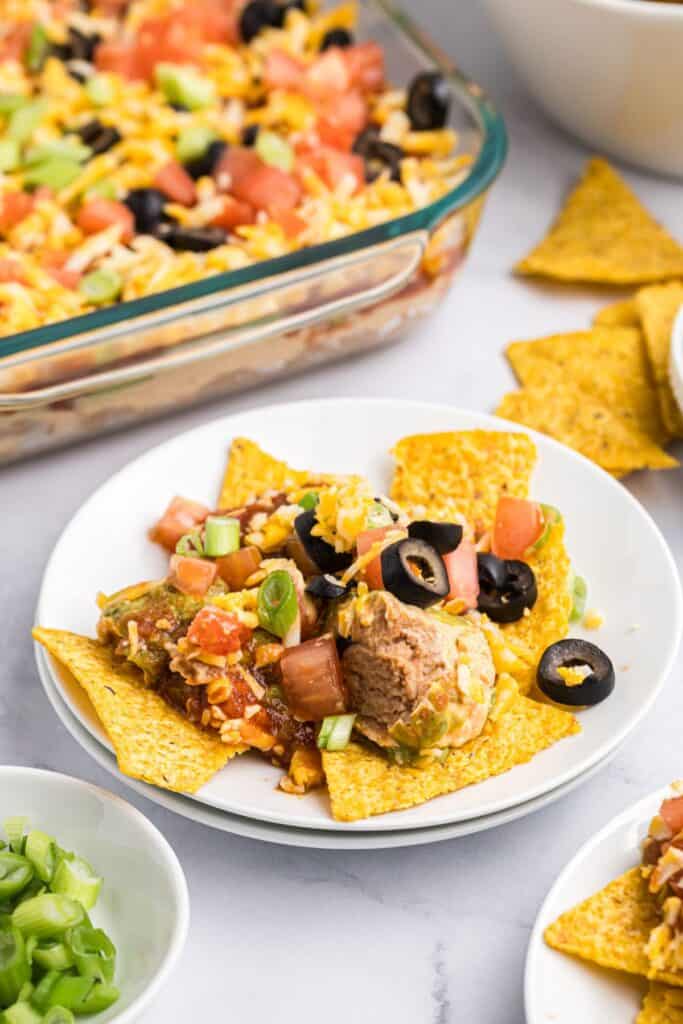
676 358
609 71
144 904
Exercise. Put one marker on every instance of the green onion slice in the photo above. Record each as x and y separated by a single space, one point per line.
93 952
47 916
56 172
309 500
335 732
15 874
378 516
221 536
551 517
579 592
193 142
22 1013
41 851
99 90
15 828
277 603
25 119
36 51
190 545
58 1015
53 956
43 990
100 997
15 969
76 878
101 286
274 150
71 991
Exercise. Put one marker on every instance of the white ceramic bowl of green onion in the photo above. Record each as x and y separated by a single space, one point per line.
89 855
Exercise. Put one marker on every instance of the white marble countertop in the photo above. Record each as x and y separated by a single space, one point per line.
426 934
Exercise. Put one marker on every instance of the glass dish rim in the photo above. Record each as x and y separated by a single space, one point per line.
482 173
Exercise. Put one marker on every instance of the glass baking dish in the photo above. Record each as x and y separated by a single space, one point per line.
232 331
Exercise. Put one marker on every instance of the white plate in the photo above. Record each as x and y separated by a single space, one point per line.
613 542
283 834
144 904
561 988
676 359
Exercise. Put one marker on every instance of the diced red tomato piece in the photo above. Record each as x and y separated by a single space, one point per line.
268 188
217 631
312 679
672 813
341 121
182 516
290 222
99 213
14 42
174 181
463 577
15 206
191 576
365 62
234 167
372 574
333 166
519 524
10 270
118 57
216 19
281 71
233 214
54 264
329 74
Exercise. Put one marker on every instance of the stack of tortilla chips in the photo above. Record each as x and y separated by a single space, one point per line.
605 391
612 929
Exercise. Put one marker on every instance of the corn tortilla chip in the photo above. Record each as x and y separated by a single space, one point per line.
612 928
586 424
609 363
362 782
462 473
658 307
662 1005
605 236
623 313
251 472
153 742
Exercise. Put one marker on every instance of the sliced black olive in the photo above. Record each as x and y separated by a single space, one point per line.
147 206
80 70
378 155
506 588
256 16
203 166
282 8
414 572
444 537
100 137
595 687
318 550
83 46
250 135
429 101
327 587
192 239
336 37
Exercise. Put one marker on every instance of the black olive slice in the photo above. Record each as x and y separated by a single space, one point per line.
336 37
327 587
250 134
505 593
282 9
99 137
414 572
256 16
595 687
445 537
191 239
429 101
378 155
203 166
147 206
318 550
82 46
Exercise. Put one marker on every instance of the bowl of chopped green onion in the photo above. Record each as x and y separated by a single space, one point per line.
94 908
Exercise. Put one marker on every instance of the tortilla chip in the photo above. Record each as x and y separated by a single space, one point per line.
251 472
362 782
604 235
462 473
662 1005
658 307
612 928
153 742
609 363
587 425
618 314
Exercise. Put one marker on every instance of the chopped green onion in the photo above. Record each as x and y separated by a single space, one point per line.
10 155
41 851
58 1015
378 516
63 149
551 517
579 592
101 286
100 997
43 990
9 102
53 956
309 500
184 86
104 189
15 969
70 991
221 536
21 1013
25 992
47 916
190 545
15 874
335 732
274 150
34 888
76 878
93 952
37 49
193 142
277 603
99 90
25 119
56 172
15 828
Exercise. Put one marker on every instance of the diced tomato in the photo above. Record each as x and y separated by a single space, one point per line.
14 208
53 261
182 516
283 72
329 74
312 680
372 574
333 166
463 577
291 223
217 631
10 270
340 121
365 62
174 181
191 576
236 568
266 188
14 42
233 214
234 167
672 813
99 213
118 57
519 524
216 19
